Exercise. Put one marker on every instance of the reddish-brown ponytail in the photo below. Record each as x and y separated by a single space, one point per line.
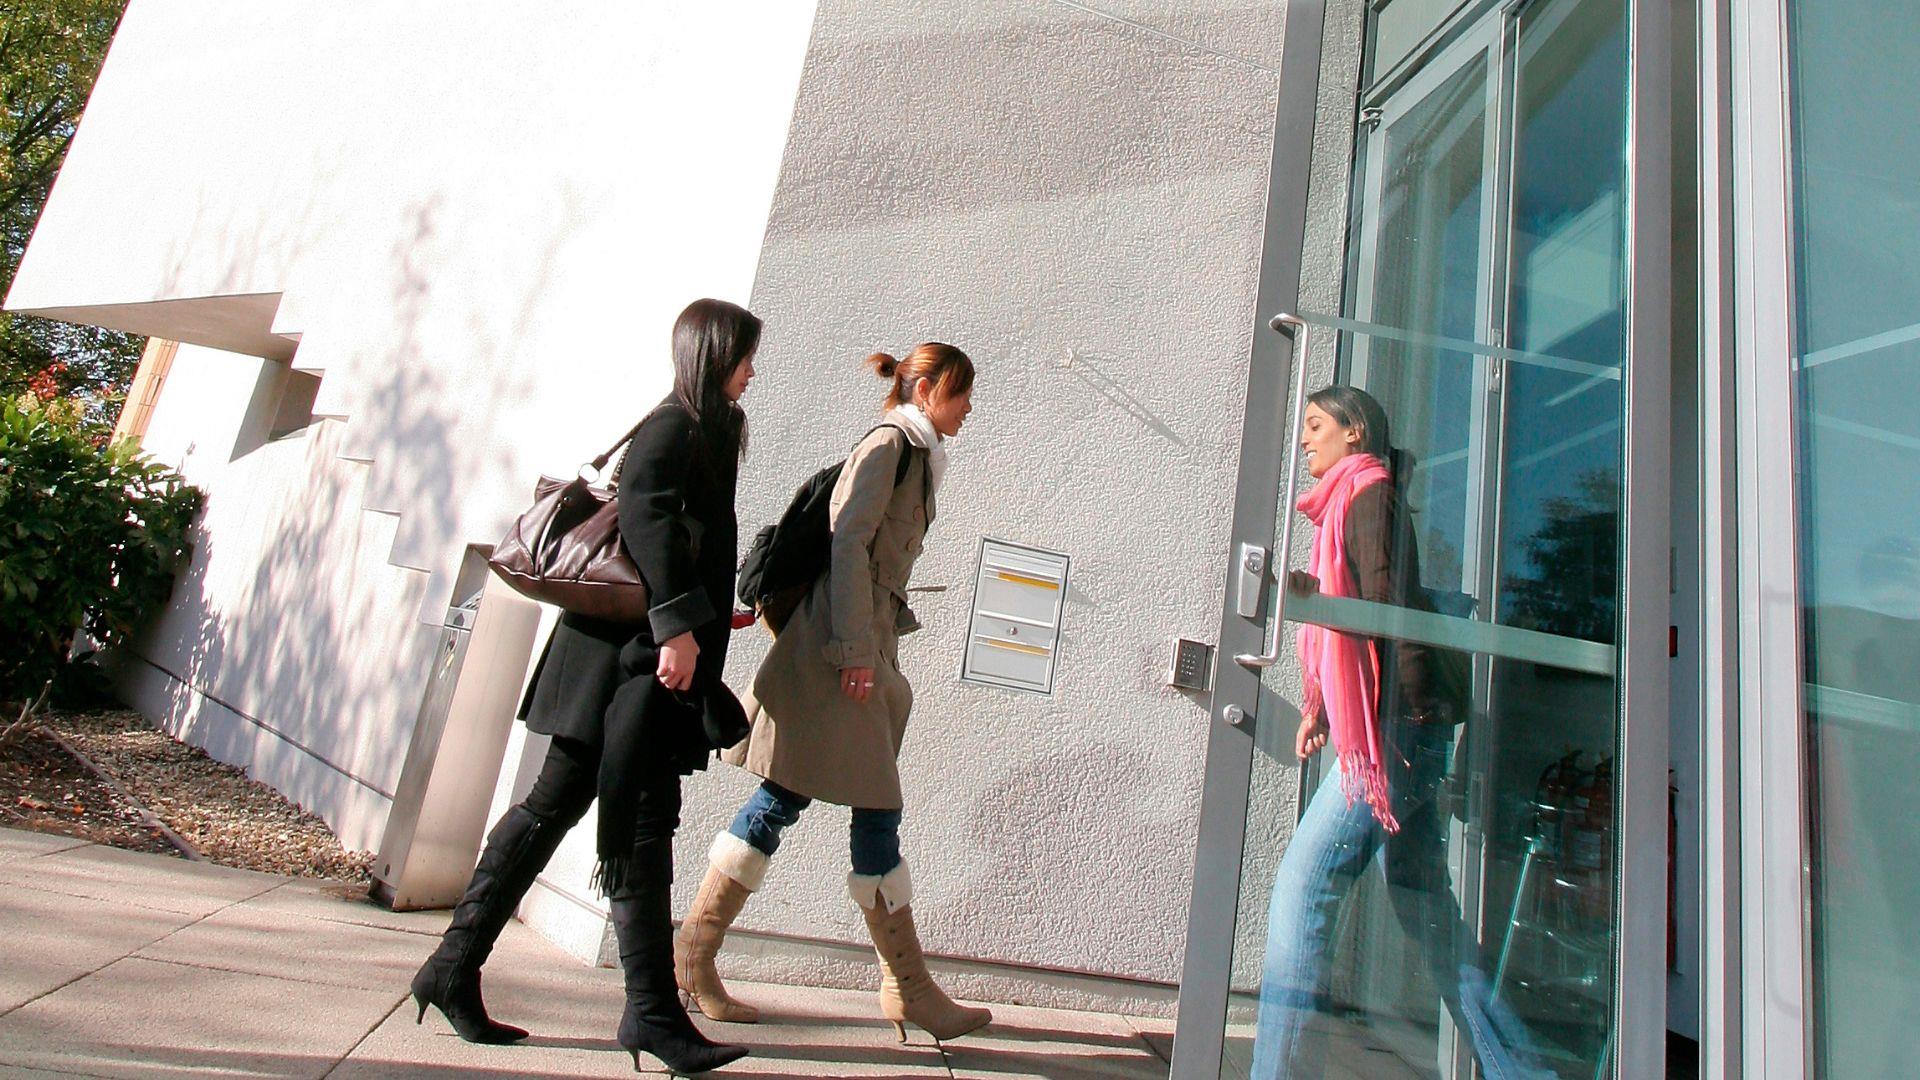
948 367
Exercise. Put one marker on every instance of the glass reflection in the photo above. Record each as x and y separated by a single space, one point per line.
1857 224
1385 711
1550 734
1431 213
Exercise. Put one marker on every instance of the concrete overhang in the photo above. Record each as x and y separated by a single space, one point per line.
240 322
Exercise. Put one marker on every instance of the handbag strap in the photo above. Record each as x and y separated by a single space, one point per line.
601 461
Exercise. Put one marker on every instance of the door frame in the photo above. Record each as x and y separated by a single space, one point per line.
1647 544
1207 969
1756 1019
1237 701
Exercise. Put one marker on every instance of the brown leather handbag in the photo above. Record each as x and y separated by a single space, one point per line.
565 550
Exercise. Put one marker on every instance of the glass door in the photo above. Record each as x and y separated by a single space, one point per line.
1436 892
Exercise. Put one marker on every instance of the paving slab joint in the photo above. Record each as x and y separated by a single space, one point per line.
398 1005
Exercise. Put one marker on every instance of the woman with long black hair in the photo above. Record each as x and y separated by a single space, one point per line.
631 708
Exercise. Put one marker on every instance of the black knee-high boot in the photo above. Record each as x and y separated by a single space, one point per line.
517 848
654 1019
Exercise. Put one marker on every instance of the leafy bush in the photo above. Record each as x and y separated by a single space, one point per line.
90 536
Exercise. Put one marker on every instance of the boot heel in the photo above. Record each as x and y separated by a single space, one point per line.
636 1061
457 996
900 1030
907 989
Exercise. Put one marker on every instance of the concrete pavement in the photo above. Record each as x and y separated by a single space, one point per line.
114 963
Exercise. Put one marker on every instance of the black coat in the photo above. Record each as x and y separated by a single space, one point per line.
677 521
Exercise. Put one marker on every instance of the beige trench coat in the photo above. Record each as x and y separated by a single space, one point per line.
808 736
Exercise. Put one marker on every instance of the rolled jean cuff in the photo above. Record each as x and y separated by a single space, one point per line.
768 811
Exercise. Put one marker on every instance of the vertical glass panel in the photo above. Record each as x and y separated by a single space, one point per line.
1551 734
1425 265
1484 314
1560 488
1856 177
1423 219
1480 935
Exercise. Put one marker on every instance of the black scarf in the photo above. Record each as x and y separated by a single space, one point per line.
653 736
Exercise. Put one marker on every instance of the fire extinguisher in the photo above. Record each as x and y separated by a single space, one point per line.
1553 798
1590 845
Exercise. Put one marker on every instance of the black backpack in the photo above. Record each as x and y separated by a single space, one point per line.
787 556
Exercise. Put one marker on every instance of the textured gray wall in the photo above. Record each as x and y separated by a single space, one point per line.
1076 197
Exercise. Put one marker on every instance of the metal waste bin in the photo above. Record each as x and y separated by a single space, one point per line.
446 785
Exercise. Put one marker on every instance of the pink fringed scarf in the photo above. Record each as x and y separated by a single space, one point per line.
1342 671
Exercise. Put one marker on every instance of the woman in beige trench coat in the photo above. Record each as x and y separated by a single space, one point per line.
829 705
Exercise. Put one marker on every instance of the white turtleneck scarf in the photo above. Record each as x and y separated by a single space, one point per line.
921 433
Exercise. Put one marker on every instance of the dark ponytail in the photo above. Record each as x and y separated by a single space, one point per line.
1400 464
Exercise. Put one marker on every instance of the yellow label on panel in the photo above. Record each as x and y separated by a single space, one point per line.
1034 650
1021 579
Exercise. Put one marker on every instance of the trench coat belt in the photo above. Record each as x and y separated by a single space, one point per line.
905 621
893 580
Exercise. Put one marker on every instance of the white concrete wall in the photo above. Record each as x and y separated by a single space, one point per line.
478 225
289 647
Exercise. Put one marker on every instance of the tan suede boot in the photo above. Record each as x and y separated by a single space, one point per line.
736 870
908 993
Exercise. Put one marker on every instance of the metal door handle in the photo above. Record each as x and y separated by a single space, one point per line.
1296 329
1256 661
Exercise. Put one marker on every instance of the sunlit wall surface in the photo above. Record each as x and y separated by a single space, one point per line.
1856 176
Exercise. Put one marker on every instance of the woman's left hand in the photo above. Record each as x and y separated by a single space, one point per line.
1301 583
856 682
678 656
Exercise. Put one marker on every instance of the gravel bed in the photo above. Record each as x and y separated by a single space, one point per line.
43 789
228 818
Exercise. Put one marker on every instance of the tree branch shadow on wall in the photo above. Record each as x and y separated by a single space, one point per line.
318 641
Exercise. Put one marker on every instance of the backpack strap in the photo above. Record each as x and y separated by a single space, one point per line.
906 458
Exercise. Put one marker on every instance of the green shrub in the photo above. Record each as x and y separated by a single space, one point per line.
91 535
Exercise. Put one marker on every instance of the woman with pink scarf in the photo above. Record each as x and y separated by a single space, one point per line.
1388 708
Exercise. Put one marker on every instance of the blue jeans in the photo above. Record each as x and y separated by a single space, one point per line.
1332 846
874 839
